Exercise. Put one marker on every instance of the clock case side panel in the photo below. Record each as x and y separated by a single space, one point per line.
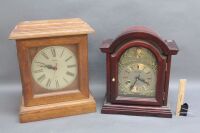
158 100
104 48
172 46
22 49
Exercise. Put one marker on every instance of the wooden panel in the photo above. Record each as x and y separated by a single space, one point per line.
83 66
50 28
168 47
42 112
171 44
162 111
28 83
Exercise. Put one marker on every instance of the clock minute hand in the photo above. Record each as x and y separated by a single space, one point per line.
41 63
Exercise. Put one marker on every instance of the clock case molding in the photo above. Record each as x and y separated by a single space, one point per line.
138 36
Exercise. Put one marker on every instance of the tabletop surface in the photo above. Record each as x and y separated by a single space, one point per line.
10 95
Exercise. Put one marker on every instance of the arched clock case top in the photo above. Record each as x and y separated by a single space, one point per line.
138 36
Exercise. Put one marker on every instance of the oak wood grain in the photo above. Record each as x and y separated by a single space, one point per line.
48 111
38 102
30 86
50 28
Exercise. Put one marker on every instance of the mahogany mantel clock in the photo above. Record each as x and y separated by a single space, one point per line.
138 70
53 60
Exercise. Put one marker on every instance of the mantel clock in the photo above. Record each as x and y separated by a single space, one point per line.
53 61
138 69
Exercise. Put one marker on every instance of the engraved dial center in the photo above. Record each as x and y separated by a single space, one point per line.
137 73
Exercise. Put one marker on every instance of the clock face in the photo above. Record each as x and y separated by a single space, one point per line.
137 73
54 67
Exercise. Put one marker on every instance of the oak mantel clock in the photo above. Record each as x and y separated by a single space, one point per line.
138 70
53 61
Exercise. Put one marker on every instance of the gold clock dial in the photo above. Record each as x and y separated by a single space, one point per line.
54 67
137 73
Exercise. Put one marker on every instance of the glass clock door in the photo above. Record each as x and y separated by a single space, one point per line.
138 71
54 69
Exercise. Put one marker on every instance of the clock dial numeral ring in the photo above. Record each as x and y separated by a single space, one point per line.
54 67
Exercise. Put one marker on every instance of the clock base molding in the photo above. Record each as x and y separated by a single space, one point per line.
68 108
163 111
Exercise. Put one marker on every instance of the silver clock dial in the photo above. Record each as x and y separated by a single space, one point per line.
54 67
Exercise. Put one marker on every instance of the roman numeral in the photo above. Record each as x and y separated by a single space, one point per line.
70 66
148 72
68 58
45 55
41 78
65 80
38 71
53 51
70 74
57 84
138 66
48 83
62 53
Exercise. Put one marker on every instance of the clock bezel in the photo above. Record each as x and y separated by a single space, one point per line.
115 57
74 84
30 99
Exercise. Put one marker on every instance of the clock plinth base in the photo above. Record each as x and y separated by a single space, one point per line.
163 111
42 112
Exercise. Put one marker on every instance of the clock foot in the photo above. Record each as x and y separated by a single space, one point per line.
42 112
162 111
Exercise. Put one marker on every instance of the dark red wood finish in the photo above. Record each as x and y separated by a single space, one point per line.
162 111
115 57
135 37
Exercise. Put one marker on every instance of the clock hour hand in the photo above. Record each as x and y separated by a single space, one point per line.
136 79
51 67
47 66
143 81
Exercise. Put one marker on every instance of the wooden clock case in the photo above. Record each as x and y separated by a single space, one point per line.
138 36
31 36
